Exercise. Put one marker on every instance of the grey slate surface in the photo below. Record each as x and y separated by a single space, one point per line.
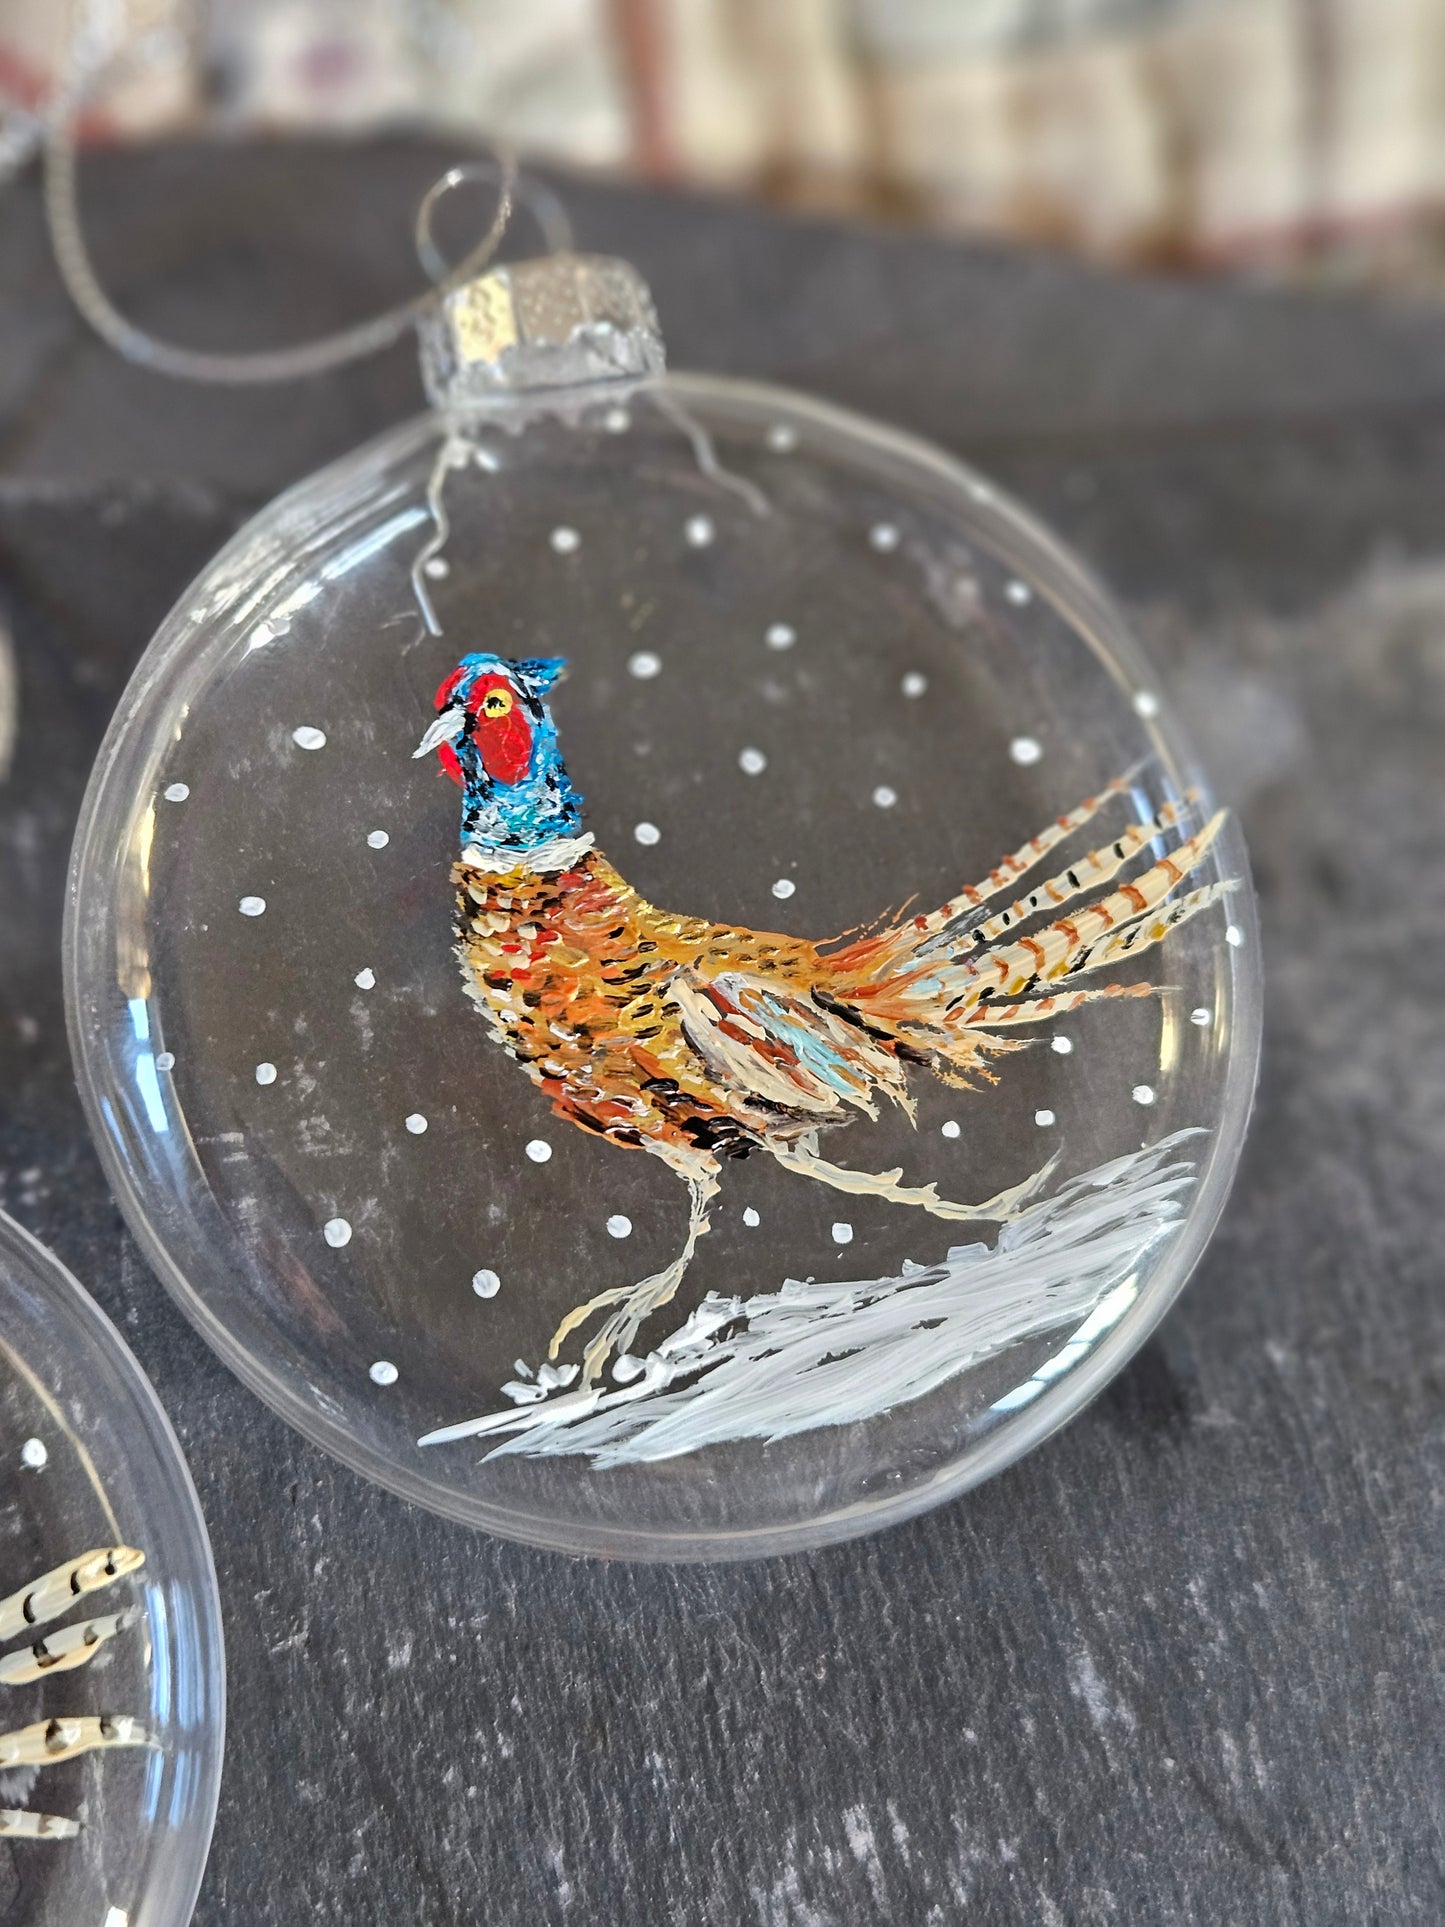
1181 1665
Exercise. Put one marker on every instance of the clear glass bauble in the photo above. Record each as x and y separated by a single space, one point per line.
88 1460
817 670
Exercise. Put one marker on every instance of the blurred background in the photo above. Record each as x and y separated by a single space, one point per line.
1293 138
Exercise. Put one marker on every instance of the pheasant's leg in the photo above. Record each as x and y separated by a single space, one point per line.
636 1303
887 1184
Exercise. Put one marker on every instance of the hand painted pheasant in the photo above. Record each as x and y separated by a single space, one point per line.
697 1041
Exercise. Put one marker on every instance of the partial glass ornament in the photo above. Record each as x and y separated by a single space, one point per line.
815 670
112 1678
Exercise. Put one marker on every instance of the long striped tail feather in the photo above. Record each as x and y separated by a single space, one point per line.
1094 936
1011 870
1055 893
878 954
1040 1010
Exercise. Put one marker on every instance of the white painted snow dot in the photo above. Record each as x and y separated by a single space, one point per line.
1043 1119
265 1073
1063 1045
781 635
914 685
1019 593
883 536
885 797
627 1368
644 665
647 833
784 887
950 1129
336 1232
365 979
565 541
1025 750
486 1284
1146 703
538 1150
1234 935
165 1060
177 792
619 1226
782 438
437 567
617 421
699 531
416 1123
1202 1017
377 839
383 1372
752 762
252 906
34 1454
308 738
842 1233
1143 1093
750 1217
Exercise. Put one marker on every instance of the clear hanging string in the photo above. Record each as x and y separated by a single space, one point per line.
294 363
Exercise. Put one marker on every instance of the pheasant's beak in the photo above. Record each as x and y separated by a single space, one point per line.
446 729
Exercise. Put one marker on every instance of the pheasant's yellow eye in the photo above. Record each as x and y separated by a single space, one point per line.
496 702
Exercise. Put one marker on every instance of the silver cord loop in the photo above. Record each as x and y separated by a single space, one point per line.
541 203
265 365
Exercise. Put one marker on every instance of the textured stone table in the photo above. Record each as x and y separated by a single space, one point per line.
1181 1665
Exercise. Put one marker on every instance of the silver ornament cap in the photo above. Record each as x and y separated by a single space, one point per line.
561 322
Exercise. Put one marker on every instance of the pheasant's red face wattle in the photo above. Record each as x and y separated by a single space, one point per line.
501 729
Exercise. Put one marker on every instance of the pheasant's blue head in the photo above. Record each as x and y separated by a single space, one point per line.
496 737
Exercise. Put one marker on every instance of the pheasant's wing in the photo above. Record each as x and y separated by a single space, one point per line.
765 1042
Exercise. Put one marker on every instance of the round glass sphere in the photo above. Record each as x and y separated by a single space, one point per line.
90 1461
816 671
